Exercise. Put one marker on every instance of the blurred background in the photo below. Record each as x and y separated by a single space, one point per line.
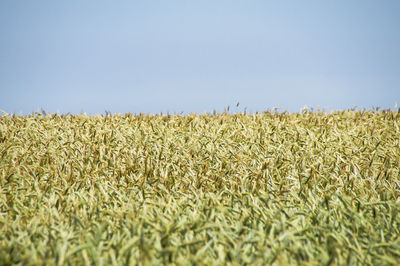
198 56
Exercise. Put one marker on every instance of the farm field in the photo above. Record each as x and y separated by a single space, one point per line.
307 188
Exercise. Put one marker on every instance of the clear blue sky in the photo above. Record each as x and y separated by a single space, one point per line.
195 56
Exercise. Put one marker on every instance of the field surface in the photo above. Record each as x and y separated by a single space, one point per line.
269 188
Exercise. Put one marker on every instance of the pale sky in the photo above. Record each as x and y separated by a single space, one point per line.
196 56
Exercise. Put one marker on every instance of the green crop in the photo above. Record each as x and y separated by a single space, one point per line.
307 188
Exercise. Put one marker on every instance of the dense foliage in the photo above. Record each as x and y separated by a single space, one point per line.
310 188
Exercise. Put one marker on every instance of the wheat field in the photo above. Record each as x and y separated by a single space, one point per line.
309 188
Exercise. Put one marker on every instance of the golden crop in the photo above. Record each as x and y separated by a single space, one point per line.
308 188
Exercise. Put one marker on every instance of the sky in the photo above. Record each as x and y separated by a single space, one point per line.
175 56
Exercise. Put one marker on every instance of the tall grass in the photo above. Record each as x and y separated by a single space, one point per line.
271 188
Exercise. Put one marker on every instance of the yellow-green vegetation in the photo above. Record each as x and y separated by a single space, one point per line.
269 188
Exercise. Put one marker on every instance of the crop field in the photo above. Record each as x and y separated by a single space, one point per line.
309 188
